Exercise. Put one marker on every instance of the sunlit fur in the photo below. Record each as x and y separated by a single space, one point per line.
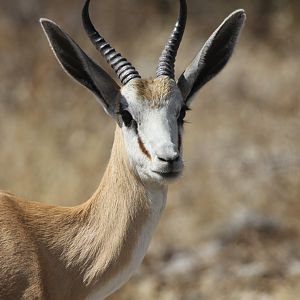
50 252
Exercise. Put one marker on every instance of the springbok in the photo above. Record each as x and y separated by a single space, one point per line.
90 250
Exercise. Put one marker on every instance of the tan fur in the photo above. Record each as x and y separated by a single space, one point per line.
50 252
155 90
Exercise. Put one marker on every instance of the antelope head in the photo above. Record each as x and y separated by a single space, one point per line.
149 112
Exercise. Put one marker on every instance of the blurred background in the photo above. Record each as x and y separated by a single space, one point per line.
232 223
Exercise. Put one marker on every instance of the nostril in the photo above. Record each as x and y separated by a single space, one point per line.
162 159
169 159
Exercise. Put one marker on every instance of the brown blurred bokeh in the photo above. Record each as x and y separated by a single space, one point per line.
231 227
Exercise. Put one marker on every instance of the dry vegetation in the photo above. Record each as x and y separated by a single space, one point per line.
231 228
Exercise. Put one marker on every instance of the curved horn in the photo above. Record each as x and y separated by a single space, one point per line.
167 59
121 66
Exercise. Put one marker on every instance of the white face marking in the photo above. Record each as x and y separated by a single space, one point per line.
154 142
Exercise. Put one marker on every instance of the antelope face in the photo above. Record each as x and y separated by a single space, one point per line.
150 112
151 117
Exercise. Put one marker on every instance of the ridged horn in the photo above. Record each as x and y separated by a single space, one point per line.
166 63
120 65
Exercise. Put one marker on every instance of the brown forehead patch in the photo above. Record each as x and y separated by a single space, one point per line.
155 90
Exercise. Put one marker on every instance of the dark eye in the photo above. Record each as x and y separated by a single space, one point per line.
182 114
126 117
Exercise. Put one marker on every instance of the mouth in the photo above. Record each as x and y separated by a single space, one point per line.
168 175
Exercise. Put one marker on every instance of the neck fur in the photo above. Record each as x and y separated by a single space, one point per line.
113 220
96 246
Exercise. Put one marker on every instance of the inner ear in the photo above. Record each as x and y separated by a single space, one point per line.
80 67
214 55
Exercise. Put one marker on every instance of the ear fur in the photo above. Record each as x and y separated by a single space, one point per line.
214 55
80 67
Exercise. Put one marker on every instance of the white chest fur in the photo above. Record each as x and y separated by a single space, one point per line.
157 199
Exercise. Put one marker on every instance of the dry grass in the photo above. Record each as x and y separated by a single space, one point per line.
231 228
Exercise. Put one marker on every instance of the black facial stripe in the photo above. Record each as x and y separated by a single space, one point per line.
143 148
179 140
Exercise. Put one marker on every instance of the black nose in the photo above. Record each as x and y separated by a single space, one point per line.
169 159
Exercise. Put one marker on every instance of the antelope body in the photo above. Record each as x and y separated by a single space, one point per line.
89 251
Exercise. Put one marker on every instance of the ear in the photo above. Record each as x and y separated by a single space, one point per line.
79 66
213 56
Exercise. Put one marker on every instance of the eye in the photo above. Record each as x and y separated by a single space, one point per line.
126 117
182 114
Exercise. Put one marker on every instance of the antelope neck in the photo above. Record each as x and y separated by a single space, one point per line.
119 221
